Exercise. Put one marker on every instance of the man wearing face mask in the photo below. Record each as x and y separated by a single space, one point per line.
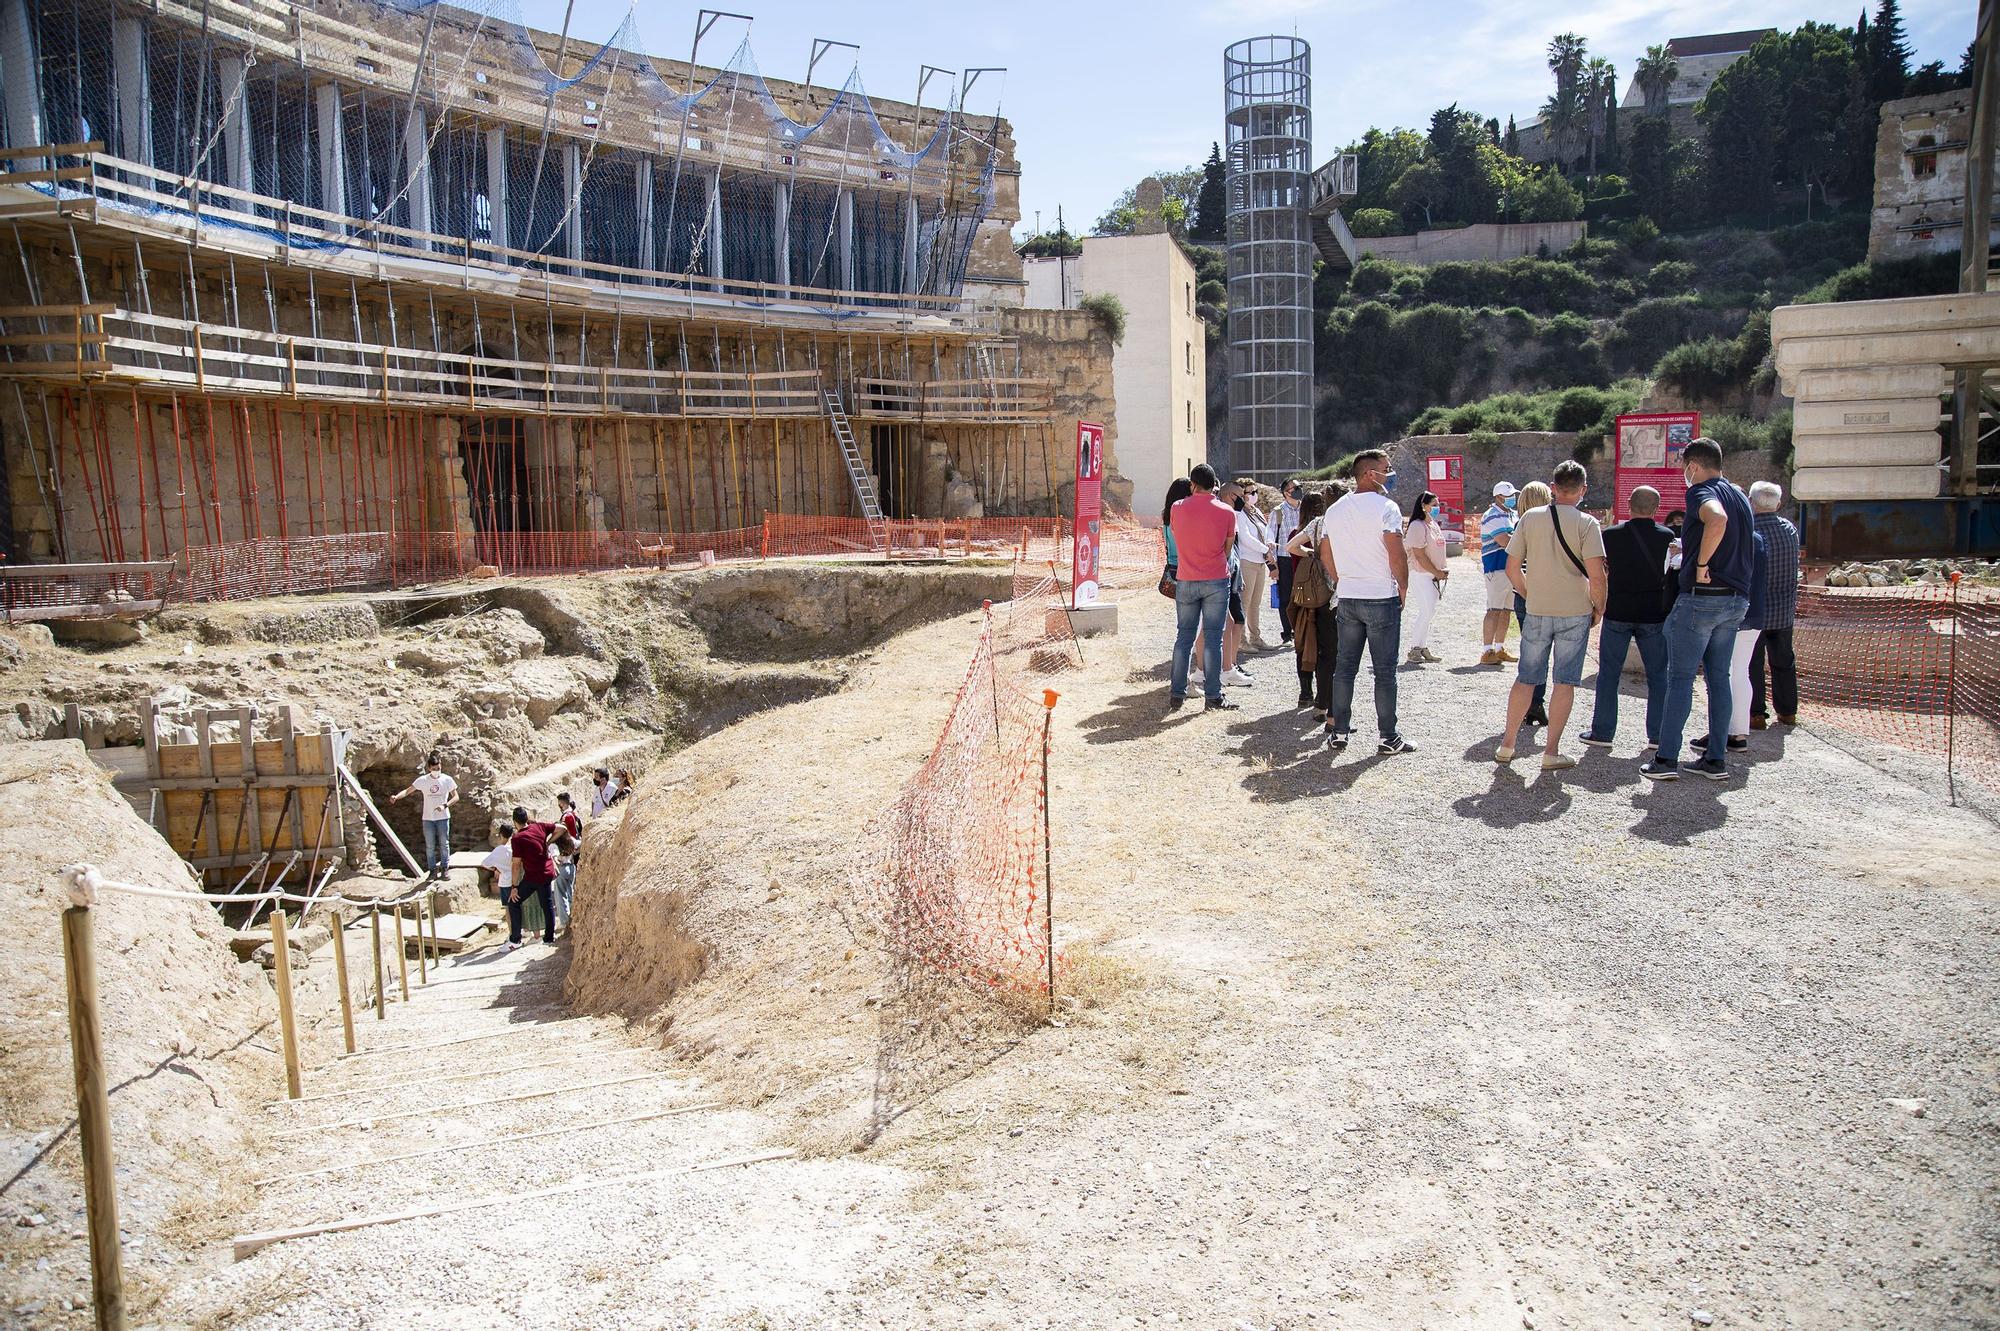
1717 566
1496 529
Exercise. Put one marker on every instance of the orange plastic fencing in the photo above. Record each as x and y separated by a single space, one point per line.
954 878
1917 667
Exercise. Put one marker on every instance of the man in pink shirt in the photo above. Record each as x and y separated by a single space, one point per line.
1203 527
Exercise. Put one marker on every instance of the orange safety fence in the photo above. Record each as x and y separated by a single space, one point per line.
84 591
954 878
1917 667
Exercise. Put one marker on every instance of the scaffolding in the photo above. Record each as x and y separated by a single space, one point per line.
325 281
1267 88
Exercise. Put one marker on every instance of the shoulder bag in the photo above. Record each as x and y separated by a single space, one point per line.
1555 521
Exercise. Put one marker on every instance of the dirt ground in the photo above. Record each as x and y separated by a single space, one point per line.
1371 1043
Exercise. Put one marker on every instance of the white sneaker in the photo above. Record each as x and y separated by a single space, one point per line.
505 948
1237 676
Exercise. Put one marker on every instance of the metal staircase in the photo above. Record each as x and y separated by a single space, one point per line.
865 494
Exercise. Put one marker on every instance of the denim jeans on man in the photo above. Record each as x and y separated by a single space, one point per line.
1377 624
1614 642
1201 604
1701 636
437 844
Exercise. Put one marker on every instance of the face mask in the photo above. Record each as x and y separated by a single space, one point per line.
1509 501
1389 480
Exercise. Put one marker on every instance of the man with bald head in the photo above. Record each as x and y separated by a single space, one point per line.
1641 591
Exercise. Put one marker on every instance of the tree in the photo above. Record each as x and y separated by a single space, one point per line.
1546 196
1510 142
1649 167
1056 244
1600 91
1565 115
1211 205
1421 188
1181 189
1656 72
1781 113
1383 156
1888 54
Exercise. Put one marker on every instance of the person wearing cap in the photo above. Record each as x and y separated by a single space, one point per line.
1496 530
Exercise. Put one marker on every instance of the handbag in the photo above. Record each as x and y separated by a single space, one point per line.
1311 589
1169 586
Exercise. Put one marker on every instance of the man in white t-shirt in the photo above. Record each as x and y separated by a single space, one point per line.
1361 544
439 793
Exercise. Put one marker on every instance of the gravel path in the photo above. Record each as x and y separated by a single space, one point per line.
1396 1043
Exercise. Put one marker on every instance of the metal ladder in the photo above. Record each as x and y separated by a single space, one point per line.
857 469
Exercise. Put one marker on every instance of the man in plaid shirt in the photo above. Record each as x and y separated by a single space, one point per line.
1780 604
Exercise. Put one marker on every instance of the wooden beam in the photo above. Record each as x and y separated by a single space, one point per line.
434 1111
381 823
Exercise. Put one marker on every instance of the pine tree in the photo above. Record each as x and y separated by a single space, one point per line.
1212 204
1510 142
1888 54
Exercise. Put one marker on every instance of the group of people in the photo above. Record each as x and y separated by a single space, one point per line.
531 861
1711 593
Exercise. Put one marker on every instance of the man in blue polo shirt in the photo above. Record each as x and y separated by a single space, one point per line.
1496 529
1716 572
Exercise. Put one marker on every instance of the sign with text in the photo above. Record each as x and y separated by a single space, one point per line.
1444 476
1649 448
1089 529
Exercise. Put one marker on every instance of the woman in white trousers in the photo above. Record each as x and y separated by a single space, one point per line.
1424 539
1746 643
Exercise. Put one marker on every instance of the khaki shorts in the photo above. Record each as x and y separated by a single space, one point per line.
1499 591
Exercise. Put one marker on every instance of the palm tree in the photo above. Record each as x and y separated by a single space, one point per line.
1656 73
1602 84
1563 114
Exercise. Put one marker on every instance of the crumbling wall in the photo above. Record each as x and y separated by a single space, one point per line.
1073 350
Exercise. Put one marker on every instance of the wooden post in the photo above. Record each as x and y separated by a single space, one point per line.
281 958
402 956
375 937
93 1115
423 958
340 965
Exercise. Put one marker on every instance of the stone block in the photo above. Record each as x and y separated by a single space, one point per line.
1876 416
1909 449
1866 383
1087 621
1867 483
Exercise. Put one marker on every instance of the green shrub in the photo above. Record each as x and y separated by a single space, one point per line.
1369 222
1211 293
1578 407
1670 277
1372 276
1778 438
1649 329
1483 442
1109 311
1516 314
1641 235
1408 288
1708 368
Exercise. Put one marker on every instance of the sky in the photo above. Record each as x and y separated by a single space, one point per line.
1102 93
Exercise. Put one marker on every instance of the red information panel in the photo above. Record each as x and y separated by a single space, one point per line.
1649 453
1444 476
1089 511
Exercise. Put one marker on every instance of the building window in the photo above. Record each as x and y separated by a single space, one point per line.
1190 358
1190 415
1924 164
1190 298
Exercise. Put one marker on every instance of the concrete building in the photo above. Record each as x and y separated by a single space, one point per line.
423 280
1920 175
1160 371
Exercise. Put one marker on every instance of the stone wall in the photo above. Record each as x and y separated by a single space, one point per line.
1920 194
1071 349
1491 242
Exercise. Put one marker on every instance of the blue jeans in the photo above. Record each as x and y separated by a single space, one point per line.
1202 604
565 888
1701 637
437 844
1378 625
1614 642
